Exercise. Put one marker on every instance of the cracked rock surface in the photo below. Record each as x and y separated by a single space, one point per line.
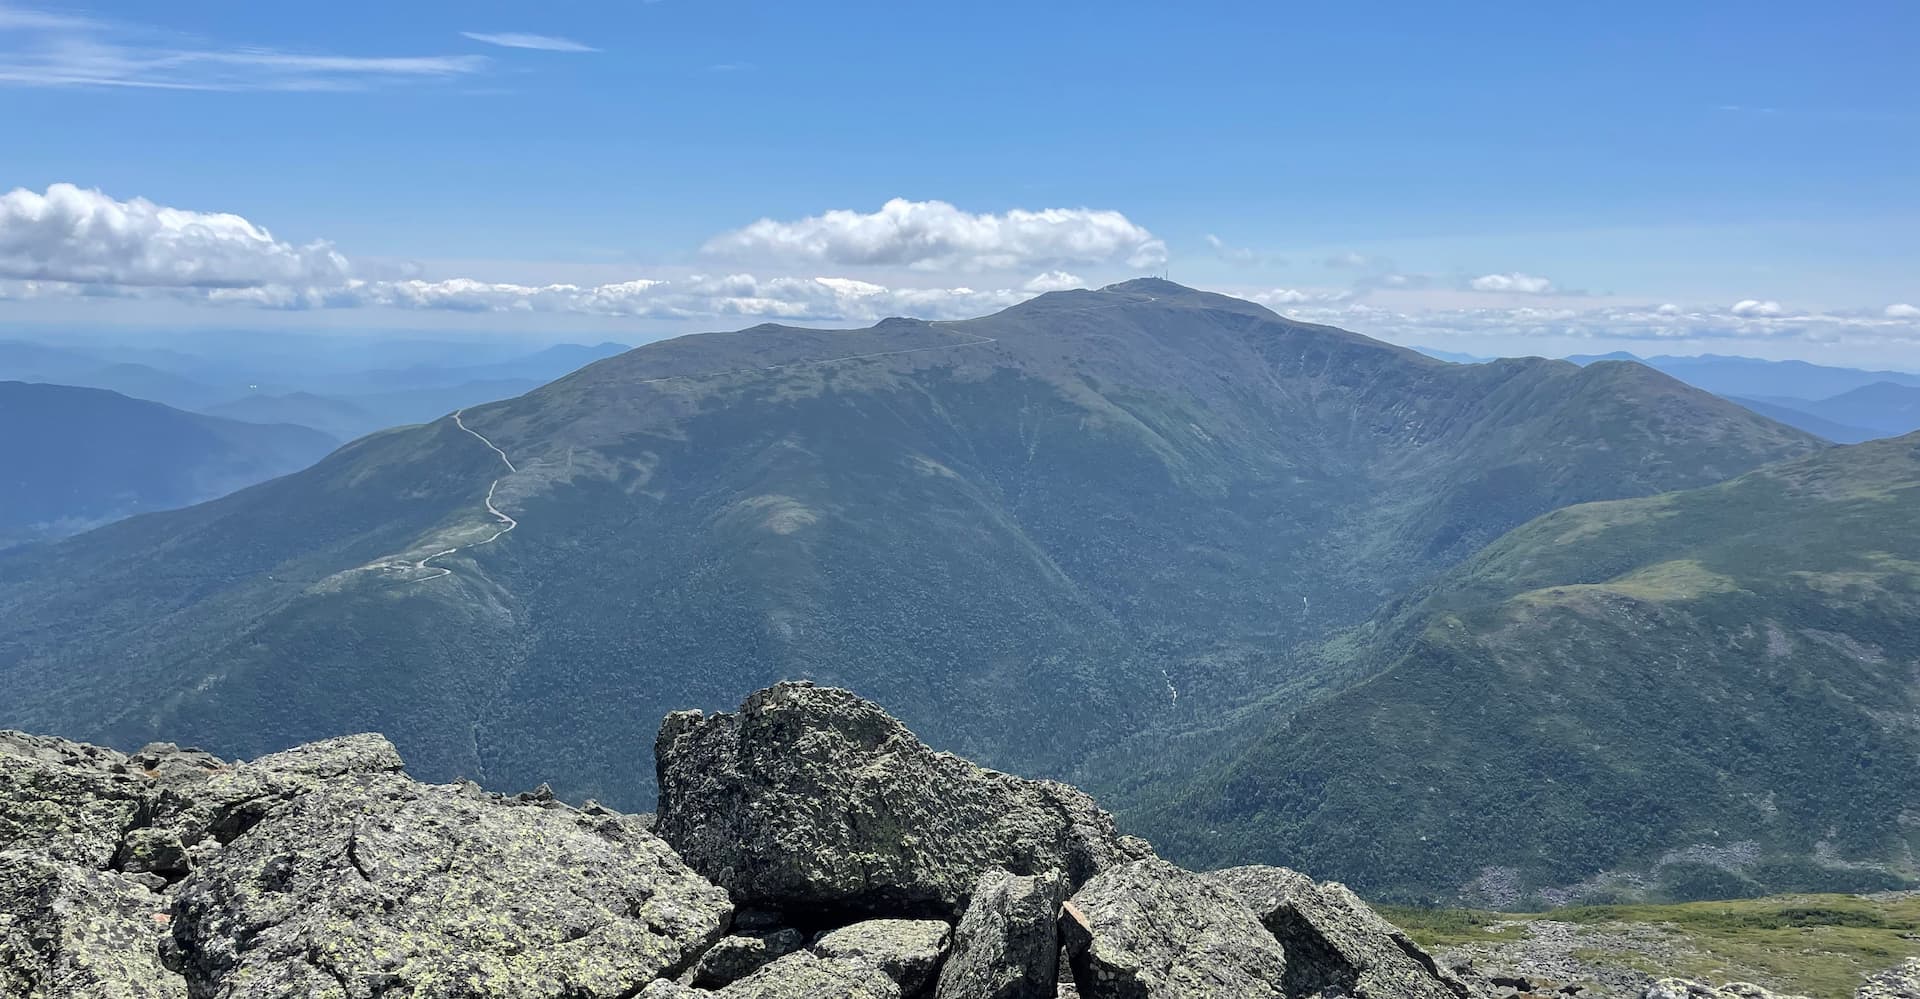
323 871
812 799
1149 930
1334 941
1007 945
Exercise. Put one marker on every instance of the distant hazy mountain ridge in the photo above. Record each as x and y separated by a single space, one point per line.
75 458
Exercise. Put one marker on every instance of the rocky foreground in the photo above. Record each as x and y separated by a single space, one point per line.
806 846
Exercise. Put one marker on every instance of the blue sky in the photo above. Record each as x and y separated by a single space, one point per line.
1493 178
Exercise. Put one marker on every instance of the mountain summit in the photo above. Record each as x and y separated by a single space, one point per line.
1090 515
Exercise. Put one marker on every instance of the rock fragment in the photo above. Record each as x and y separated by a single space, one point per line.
1681 988
1007 945
908 951
735 957
1901 981
1334 941
377 884
800 975
67 930
1149 930
812 799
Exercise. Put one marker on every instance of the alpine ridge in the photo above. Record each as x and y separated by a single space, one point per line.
1037 534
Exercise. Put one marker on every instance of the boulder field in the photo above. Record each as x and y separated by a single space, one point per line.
807 846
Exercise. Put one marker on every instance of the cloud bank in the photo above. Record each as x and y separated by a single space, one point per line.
81 236
934 235
71 243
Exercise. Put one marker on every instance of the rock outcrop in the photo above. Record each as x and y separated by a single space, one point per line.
828 854
68 930
909 951
811 799
1334 942
1901 981
323 871
1681 988
1149 930
742 954
800 975
1007 946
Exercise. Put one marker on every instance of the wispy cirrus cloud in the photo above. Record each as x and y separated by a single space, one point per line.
40 48
518 40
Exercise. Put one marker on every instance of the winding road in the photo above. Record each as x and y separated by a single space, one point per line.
508 523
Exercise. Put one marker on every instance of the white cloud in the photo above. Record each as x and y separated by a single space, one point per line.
936 235
1748 307
1903 311
1276 297
517 40
77 235
1350 260
1234 254
1055 281
39 49
1515 283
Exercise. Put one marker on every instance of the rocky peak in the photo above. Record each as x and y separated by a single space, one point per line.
809 846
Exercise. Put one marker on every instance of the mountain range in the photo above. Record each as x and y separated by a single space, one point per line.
1043 533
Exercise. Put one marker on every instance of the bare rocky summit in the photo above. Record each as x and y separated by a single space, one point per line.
808 847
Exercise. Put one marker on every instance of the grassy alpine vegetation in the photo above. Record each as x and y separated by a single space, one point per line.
1708 693
1813 945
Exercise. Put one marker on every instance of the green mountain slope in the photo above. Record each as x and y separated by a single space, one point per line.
74 458
1700 694
1091 515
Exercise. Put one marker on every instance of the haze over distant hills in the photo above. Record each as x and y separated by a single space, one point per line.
1090 517
336 385
1844 405
75 458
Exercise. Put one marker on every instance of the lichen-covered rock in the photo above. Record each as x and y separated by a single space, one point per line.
1899 982
810 798
66 800
907 950
151 850
1149 930
1681 988
737 956
805 975
220 803
1007 945
375 884
1334 941
67 930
